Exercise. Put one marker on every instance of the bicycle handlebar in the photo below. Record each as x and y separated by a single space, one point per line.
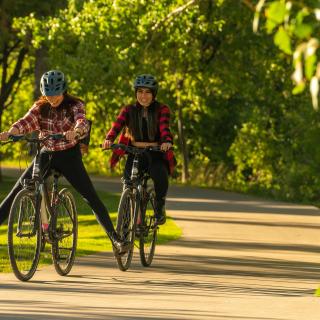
136 150
16 138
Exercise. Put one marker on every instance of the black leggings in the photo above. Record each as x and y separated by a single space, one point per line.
69 164
157 168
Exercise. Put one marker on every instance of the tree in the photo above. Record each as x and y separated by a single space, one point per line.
236 123
296 29
15 47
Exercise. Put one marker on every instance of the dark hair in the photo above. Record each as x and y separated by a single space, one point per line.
67 103
134 125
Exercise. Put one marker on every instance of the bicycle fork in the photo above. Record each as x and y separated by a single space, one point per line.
43 211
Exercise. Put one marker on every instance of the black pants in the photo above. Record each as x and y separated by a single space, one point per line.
69 164
157 168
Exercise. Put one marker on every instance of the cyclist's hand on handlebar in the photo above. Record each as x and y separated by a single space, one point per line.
106 144
4 136
165 146
71 135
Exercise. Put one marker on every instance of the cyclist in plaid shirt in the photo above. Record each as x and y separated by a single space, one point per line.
146 123
56 111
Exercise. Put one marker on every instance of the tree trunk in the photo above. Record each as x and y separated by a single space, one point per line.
9 83
1 177
181 136
39 69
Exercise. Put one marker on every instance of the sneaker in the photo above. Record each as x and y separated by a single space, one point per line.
161 216
160 212
120 247
138 230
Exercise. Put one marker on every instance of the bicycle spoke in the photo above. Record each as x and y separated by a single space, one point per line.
24 236
125 228
65 225
148 231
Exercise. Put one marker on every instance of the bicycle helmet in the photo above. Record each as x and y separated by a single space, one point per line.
146 81
53 83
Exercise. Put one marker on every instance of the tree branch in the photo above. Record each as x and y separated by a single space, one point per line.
172 13
249 4
4 65
163 21
14 92
15 76
15 46
298 3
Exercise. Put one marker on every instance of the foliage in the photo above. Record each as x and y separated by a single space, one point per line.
296 29
236 123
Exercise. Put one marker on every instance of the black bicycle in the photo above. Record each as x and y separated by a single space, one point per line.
136 212
39 216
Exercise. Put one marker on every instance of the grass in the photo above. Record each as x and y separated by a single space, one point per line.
92 238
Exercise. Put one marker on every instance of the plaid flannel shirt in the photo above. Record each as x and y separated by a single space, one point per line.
56 122
165 134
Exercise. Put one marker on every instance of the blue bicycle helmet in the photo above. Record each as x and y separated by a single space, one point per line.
53 83
146 81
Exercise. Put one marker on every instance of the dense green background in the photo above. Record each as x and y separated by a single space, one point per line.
236 122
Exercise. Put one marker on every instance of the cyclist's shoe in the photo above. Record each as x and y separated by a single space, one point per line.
138 230
161 216
160 212
120 247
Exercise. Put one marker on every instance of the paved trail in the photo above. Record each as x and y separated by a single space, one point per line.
239 258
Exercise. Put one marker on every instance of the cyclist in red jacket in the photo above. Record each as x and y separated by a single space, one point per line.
146 123
56 111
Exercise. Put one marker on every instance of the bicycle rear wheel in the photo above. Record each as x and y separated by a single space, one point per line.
24 235
148 231
125 228
65 232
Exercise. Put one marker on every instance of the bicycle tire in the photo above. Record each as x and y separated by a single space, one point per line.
147 230
126 224
65 232
24 235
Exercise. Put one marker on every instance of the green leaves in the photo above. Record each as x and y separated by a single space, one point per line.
229 90
275 14
282 40
297 24
303 30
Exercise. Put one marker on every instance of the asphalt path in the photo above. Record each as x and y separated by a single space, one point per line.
240 257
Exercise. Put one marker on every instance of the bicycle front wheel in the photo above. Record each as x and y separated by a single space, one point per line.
125 228
147 230
24 235
65 232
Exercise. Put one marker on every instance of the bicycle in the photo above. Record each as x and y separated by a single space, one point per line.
37 217
136 212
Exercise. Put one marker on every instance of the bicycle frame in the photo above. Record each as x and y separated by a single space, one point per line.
138 180
44 204
138 195
52 218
